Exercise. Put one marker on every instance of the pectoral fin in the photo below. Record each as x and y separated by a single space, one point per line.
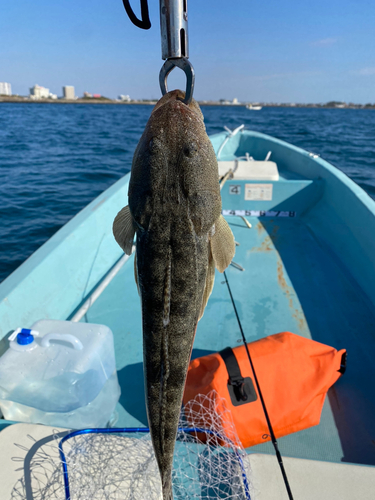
123 230
209 284
222 244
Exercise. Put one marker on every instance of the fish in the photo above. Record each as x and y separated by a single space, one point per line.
174 211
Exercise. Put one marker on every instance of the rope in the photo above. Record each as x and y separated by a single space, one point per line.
229 136
228 175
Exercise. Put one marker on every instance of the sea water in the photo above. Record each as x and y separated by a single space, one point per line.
56 158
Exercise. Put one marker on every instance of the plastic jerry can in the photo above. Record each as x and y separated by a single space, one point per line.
60 373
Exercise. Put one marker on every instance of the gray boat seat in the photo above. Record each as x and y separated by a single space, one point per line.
15 441
309 479
32 447
250 170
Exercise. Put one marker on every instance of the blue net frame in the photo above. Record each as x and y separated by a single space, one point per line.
145 430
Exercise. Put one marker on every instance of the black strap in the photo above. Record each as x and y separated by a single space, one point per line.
342 369
235 377
144 22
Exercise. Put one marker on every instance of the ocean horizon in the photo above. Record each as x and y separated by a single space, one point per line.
55 159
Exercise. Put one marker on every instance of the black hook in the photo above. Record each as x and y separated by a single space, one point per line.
143 23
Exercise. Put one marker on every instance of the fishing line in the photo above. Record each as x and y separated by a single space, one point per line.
270 428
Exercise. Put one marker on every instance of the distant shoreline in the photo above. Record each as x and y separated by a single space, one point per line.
72 101
329 105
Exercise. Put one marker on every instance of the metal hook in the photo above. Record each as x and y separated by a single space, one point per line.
187 68
173 24
143 23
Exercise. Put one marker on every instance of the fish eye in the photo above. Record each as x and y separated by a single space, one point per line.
191 150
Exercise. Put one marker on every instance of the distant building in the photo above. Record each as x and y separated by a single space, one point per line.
335 104
87 94
125 98
96 96
235 101
38 92
5 88
68 92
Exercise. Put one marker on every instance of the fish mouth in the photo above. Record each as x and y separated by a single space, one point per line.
178 96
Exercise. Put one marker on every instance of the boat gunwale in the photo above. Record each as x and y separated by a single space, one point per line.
359 192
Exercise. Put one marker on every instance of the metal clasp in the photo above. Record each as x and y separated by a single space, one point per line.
187 68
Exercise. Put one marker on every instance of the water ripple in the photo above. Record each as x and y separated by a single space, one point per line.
54 159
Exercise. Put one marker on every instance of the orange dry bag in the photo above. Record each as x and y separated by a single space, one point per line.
294 375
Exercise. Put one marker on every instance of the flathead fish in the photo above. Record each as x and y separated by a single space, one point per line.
175 211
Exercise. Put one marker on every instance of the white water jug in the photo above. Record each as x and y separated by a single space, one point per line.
60 373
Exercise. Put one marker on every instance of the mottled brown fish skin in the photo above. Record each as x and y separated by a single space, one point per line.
174 199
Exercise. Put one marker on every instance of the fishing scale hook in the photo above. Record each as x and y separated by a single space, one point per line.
187 68
174 40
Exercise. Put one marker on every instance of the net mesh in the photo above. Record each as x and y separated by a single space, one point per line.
101 466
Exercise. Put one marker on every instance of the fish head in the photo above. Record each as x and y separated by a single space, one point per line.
174 166
179 95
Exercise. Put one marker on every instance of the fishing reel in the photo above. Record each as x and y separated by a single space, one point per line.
174 40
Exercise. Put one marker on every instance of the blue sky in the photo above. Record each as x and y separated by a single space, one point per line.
291 51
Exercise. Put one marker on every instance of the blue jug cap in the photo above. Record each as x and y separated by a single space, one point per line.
25 337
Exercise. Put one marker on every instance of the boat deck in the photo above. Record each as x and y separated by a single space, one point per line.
308 267
290 282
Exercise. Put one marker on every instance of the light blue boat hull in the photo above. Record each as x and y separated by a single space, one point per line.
312 274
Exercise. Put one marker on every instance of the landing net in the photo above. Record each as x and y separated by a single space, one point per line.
119 464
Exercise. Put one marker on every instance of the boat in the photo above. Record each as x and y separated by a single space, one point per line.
305 264
253 108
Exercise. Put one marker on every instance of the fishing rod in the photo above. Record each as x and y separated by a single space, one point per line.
174 40
270 428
